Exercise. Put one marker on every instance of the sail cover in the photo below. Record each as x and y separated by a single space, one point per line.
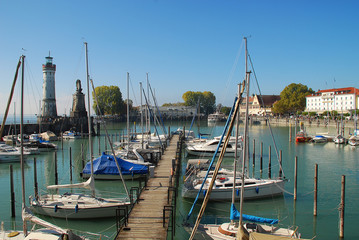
235 215
107 165
89 184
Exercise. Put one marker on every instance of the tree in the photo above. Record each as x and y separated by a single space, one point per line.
292 99
109 100
207 100
226 110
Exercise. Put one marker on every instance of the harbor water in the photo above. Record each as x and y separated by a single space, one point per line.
333 162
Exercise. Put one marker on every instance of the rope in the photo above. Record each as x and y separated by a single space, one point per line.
265 111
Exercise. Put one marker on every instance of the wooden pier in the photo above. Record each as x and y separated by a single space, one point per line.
154 212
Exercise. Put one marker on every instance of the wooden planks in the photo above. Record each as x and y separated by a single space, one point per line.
146 218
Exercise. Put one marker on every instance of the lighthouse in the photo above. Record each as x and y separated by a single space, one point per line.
48 88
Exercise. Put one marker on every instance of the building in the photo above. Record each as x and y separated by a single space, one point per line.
338 99
49 100
176 111
259 104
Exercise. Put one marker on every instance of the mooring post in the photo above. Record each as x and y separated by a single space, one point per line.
341 209
280 163
295 177
261 158
290 132
270 162
105 144
315 189
12 193
82 156
56 177
99 145
35 181
254 153
62 141
70 153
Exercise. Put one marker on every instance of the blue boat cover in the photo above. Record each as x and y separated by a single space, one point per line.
106 165
235 215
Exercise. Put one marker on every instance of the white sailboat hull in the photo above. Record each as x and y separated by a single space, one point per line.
67 206
263 189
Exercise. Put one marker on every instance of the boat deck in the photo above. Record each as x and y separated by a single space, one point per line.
146 218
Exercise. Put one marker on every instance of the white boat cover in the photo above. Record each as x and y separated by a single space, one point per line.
89 184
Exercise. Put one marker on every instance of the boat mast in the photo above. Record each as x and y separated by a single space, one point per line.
22 142
236 153
245 143
128 113
10 97
89 114
141 109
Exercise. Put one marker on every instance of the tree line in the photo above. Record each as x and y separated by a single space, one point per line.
110 101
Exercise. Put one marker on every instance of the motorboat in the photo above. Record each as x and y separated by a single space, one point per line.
71 135
10 154
339 139
216 117
353 141
208 148
49 136
319 139
302 136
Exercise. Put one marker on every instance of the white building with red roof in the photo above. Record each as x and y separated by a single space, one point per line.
338 99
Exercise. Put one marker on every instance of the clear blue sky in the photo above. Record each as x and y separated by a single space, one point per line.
183 45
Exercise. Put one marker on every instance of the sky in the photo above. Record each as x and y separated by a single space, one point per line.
183 45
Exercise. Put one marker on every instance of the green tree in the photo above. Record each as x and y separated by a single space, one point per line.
226 110
109 100
207 100
292 99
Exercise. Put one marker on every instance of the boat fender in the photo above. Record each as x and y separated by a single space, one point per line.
76 208
237 192
257 190
204 193
132 173
55 208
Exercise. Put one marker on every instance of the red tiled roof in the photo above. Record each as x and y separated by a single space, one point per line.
337 91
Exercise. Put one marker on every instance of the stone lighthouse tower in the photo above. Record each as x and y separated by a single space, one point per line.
48 88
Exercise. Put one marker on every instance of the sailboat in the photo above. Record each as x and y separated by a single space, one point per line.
238 230
78 205
48 230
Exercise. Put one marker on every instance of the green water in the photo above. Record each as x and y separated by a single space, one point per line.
333 161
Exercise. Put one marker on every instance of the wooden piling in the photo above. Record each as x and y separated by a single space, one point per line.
105 144
99 145
82 156
254 153
62 141
261 158
70 153
12 193
290 132
295 177
270 163
280 163
56 177
341 209
315 190
35 181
